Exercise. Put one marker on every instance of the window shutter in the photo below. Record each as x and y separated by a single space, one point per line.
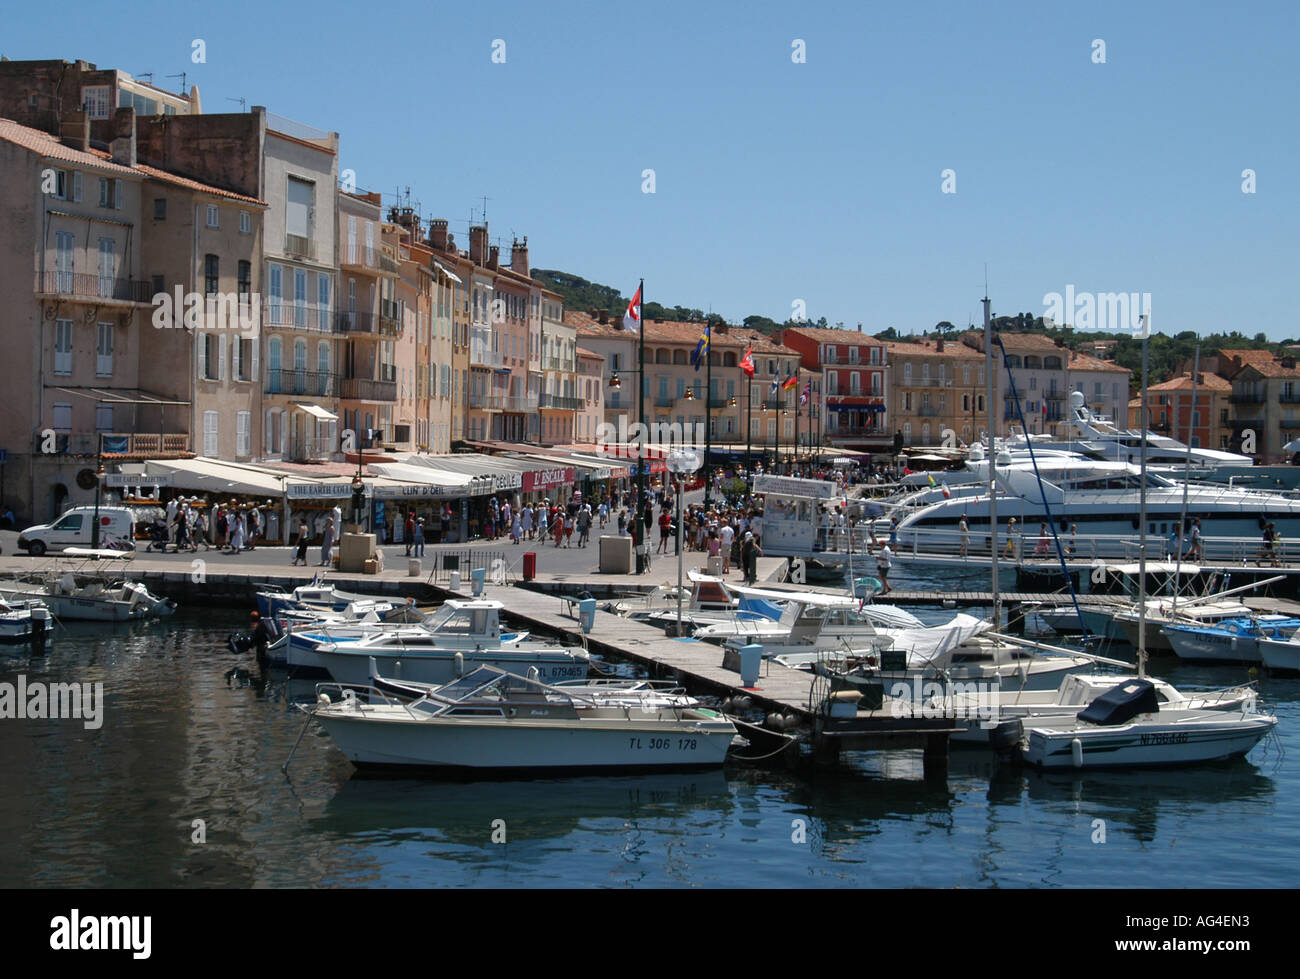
76 186
201 345
221 358
254 343
117 194
283 428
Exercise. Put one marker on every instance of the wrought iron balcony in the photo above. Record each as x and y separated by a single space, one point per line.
366 389
95 288
320 384
561 402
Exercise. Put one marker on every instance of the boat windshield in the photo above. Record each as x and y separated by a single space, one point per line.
466 621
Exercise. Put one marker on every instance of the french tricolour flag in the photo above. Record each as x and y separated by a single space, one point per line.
632 318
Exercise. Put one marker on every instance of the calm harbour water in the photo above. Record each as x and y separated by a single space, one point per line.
181 741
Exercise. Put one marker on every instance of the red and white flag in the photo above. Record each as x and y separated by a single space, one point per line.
632 318
747 363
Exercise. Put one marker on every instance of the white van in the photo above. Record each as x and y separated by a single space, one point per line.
75 529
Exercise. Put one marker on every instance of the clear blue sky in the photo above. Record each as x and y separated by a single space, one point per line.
778 181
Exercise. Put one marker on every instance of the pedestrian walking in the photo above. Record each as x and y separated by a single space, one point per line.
884 562
303 538
408 532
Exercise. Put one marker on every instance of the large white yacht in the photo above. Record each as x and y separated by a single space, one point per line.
1102 497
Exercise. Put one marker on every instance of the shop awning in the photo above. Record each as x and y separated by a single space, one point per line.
212 476
317 411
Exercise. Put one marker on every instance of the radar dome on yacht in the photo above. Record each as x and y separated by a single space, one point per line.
1076 399
1004 458
976 453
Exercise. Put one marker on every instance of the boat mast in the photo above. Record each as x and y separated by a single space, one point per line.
1142 512
992 458
1187 475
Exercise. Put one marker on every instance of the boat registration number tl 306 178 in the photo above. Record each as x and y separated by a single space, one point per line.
661 744
1165 738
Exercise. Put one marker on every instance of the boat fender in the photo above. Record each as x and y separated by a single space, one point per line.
773 721
1076 753
323 699
460 665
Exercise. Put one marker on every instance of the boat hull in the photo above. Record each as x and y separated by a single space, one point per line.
507 745
1207 647
1146 743
1279 656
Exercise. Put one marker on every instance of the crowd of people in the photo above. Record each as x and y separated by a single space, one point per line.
188 524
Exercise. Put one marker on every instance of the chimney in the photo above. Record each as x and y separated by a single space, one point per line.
721 329
604 316
494 257
859 327
939 344
519 255
438 234
123 144
74 130
478 243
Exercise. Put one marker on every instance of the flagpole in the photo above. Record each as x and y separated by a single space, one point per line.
749 433
708 407
638 510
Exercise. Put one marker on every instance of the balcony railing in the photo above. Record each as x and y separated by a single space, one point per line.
521 402
928 411
855 431
665 402
370 323
557 364
96 287
390 317
365 389
389 264
305 448
481 356
284 315
1246 398
487 402
119 445
358 257
561 402
1289 397
320 384
299 247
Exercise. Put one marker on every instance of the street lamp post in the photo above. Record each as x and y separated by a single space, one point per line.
681 463
99 485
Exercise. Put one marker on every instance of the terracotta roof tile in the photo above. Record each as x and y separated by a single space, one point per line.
929 348
1207 382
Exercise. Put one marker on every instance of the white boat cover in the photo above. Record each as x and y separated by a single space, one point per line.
933 646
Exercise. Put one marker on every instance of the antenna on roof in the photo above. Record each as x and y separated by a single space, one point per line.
181 76
243 103
146 74
485 200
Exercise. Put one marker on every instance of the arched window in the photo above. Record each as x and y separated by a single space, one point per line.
663 356
729 359
679 356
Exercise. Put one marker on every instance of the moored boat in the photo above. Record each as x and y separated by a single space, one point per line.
493 721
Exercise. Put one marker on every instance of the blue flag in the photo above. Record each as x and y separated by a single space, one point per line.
701 349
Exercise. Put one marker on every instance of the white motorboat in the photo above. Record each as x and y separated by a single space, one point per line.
979 710
457 624
1126 727
322 597
490 720
16 618
74 597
